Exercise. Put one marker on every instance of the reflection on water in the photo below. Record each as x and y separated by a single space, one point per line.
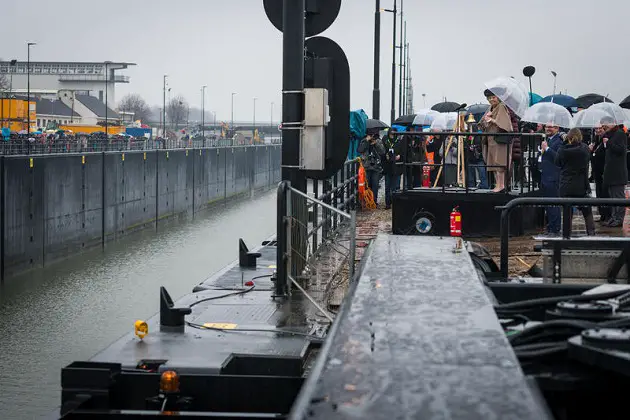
73 309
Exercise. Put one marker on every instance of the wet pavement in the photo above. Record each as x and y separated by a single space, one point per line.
73 309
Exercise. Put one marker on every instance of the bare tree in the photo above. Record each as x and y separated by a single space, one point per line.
4 81
134 103
177 110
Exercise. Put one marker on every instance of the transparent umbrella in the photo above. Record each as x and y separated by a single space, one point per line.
614 111
589 118
425 117
444 121
511 92
548 113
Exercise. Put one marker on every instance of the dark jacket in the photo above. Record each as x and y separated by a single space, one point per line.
416 150
616 170
371 154
573 162
393 147
516 141
598 158
550 172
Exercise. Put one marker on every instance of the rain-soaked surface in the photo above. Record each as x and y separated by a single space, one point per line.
73 309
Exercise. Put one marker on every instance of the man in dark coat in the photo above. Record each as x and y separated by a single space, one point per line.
550 177
615 169
394 151
598 161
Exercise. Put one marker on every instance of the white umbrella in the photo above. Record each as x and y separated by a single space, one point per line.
613 111
425 117
548 113
589 118
444 121
511 92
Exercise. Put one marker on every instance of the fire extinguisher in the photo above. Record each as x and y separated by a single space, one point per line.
456 222
426 177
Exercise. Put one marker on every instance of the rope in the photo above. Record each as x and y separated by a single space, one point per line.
367 200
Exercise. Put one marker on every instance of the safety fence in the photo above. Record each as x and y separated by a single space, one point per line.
22 146
316 235
459 169
565 241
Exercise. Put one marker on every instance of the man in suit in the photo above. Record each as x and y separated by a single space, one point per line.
550 176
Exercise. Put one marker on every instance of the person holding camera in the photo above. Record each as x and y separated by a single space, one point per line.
394 152
371 150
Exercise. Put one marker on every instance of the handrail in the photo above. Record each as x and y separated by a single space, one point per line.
565 202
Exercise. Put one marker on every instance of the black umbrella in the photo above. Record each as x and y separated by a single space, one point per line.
625 103
372 124
445 107
405 119
589 99
477 110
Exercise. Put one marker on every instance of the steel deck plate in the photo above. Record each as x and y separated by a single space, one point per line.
208 351
420 340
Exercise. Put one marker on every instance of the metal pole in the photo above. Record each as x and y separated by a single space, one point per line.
376 94
106 81
164 107
203 111
233 110
401 63
271 121
393 108
404 77
28 86
254 130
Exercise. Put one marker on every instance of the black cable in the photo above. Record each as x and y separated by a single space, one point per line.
551 351
553 300
559 323
240 292
538 346
296 333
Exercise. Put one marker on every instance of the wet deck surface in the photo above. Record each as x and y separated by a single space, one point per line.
210 351
420 341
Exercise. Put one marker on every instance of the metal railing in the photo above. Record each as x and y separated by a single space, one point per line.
23 146
567 205
312 229
526 176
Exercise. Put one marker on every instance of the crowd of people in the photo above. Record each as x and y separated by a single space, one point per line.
565 163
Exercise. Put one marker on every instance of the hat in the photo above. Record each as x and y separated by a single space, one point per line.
488 93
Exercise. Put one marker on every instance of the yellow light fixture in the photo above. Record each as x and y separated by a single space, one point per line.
169 382
471 119
141 329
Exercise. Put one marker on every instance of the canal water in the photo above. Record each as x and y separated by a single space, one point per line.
73 309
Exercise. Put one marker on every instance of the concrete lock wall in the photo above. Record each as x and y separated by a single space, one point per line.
59 205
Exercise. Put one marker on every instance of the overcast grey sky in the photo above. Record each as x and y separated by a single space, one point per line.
232 47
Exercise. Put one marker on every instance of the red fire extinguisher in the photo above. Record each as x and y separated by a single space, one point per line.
426 176
456 222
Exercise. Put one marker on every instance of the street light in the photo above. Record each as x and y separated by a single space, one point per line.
203 112
233 93
107 63
254 131
164 107
393 107
555 76
271 120
28 85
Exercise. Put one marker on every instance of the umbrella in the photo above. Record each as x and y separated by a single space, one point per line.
589 99
478 110
534 98
405 119
589 118
564 100
511 92
425 117
445 107
372 124
625 103
549 113
444 121
614 111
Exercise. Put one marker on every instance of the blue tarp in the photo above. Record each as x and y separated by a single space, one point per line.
358 121
138 132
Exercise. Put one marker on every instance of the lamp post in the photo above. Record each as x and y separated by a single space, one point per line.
271 120
424 100
107 63
376 94
393 107
555 76
164 106
401 63
233 93
203 112
254 131
28 85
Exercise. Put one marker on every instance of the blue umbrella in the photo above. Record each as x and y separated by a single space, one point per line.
563 100
534 98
